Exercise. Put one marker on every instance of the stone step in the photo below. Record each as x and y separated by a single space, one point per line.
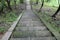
30 23
20 34
31 28
27 25
29 19
34 38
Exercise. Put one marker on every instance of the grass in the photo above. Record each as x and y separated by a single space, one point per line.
52 3
47 9
2 30
11 17
17 2
48 19
6 20
8 17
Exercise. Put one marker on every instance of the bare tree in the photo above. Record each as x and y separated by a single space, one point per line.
41 5
54 15
9 6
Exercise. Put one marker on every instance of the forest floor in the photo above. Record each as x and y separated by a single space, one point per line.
47 9
7 18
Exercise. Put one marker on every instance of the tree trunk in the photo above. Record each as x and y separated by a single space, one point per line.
37 1
1 10
41 5
54 15
9 6
15 3
21 1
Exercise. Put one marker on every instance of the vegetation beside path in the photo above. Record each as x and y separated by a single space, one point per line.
9 13
46 12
